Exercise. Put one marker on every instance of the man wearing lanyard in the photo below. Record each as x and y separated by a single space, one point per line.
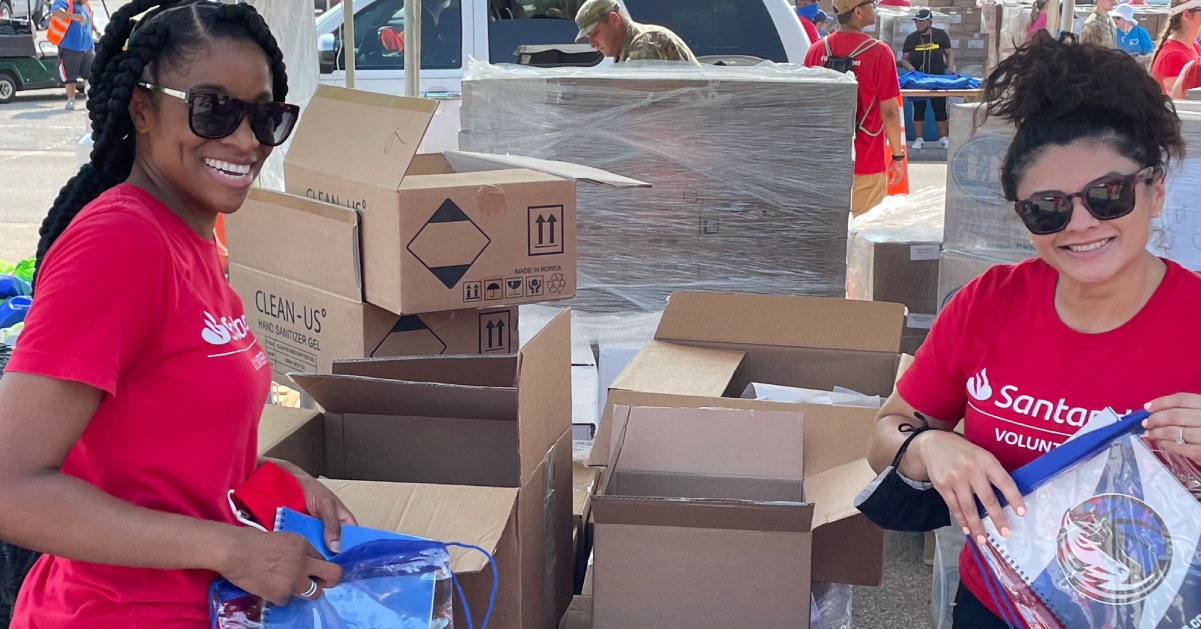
928 50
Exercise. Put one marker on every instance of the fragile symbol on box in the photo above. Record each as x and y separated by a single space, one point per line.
545 230
514 288
471 291
494 289
534 285
496 335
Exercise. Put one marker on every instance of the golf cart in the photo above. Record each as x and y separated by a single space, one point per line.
24 65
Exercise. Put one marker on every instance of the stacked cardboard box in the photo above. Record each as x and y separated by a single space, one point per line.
708 346
893 256
965 25
734 205
471 449
982 229
379 251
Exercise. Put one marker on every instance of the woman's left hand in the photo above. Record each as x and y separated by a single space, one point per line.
1175 422
323 504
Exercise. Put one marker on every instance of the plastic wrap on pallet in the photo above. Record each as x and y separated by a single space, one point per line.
911 222
751 170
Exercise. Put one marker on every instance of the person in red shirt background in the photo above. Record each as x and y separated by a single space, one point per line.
1177 43
129 408
1189 79
806 10
1026 353
877 114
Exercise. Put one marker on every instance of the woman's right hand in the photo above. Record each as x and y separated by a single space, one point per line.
963 472
276 566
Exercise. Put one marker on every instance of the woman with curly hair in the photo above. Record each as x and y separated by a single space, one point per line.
1026 353
130 407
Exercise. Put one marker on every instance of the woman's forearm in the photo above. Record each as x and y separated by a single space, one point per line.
61 515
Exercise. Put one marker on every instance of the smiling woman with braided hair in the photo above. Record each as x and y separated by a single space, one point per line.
130 408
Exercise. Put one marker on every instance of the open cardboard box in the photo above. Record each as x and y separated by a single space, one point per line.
706 518
438 446
295 263
440 231
710 346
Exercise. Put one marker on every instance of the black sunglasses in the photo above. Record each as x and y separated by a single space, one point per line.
215 116
1105 199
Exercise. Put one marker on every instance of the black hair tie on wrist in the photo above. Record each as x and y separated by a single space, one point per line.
896 503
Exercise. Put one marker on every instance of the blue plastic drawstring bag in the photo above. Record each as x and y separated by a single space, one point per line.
392 582
13 286
1111 539
13 311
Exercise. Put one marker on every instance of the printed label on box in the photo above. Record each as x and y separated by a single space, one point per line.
956 18
546 230
919 321
977 44
496 333
924 252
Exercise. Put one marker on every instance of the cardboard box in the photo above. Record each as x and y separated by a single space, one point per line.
493 422
295 263
710 345
585 480
706 518
579 614
440 231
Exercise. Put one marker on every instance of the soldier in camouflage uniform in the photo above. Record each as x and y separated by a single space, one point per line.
609 30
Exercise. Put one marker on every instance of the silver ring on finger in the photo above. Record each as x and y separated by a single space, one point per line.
312 589
1180 438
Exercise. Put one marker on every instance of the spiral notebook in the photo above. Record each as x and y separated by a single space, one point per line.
1109 541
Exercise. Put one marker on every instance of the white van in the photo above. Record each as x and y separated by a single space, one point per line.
492 30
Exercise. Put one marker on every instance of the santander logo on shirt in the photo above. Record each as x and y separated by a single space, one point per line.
221 332
1026 421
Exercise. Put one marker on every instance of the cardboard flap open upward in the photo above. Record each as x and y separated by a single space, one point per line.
670 368
298 239
278 423
473 371
468 515
833 492
464 162
544 391
820 322
374 396
375 136
713 442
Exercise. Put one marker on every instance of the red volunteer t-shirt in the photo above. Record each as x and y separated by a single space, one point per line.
810 30
1171 60
999 357
133 302
876 70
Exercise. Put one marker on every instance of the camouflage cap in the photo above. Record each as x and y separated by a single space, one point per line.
591 13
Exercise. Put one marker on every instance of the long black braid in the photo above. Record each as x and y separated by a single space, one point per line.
129 51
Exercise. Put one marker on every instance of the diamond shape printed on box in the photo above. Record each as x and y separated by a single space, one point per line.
409 336
449 243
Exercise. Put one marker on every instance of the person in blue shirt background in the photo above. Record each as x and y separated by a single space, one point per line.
77 49
1131 37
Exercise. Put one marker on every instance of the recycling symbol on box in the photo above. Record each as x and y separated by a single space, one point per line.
449 243
556 283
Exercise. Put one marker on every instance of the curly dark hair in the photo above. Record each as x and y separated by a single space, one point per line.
1059 91
132 50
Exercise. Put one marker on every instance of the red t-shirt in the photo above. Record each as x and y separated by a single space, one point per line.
810 30
876 70
133 302
1190 77
999 357
1171 60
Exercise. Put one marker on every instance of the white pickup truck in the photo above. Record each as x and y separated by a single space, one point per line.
492 30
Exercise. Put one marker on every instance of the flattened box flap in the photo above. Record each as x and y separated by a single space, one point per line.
713 442
468 515
298 239
680 369
818 322
376 396
374 136
464 162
